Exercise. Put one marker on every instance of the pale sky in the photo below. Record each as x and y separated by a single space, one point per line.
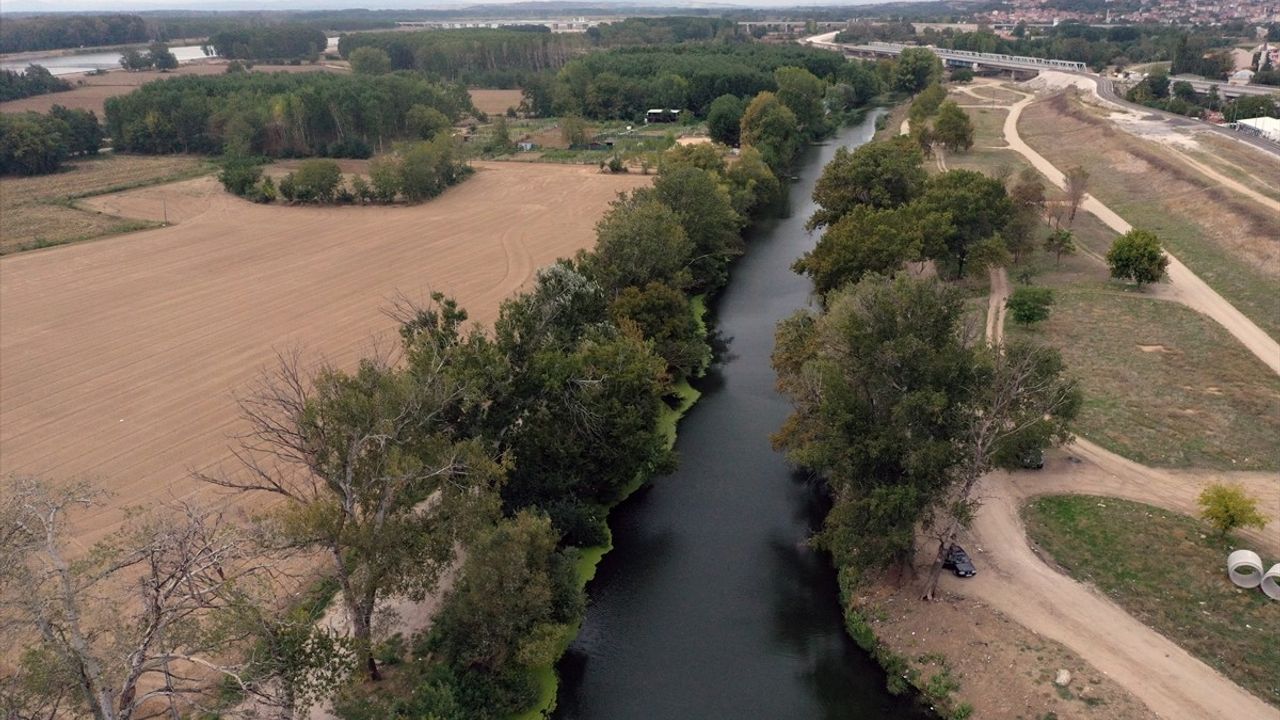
137 5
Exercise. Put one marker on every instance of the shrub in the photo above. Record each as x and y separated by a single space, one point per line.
317 180
240 174
1227 507
1137 256
1029 305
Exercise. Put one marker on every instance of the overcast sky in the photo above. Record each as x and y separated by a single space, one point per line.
133 5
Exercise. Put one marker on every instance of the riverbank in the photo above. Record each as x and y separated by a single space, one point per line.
589 558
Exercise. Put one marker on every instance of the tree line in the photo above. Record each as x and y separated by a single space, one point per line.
271 43
479 56
51 32
513 443
35 80
35 144
278 114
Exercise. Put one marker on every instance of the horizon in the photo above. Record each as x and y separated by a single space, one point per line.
133 6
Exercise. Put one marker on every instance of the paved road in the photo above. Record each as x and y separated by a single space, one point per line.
1107 91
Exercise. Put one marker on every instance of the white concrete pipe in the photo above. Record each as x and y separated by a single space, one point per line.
1245 568
1271 582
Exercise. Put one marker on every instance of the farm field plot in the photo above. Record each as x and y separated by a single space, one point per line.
495 102
118 359
92 91
39 211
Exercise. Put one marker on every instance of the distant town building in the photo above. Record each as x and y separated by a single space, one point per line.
1241 77
661 115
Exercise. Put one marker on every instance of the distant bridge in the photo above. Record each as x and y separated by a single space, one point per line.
962 58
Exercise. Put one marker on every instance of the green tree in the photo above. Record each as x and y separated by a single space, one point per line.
500 141
976 206
425 121
868 240
427 168
1137 256
1227 507
239 174
952 127
916 68
159 57
573 130
32 144
706 213
1029 305
752 185
369 61
317 180
132 60
770 127
803 93
638 241
878 174
364 469
1077 185
926 103
384 176
724 119
663 316
1060 242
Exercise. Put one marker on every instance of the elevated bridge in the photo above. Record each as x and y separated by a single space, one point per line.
964 58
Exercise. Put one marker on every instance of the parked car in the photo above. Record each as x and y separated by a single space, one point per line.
1033 459
957 561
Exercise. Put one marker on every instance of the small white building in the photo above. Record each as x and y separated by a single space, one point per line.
1267 127
1240 77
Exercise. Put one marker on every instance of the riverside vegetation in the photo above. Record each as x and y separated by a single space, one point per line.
493 455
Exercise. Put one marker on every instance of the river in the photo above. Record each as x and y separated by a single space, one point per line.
711 605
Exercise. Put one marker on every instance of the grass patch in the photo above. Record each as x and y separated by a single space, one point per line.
1229 242
1161 568
40 211
1163 384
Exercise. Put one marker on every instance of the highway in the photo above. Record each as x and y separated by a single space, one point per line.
1105 87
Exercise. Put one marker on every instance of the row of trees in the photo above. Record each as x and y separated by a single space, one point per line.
512 443
1157 90
485 56
157 57
625 82
34 143
271 43
897 405
35 80
415 172
279 114
50 32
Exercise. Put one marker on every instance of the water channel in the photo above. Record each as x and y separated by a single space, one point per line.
710 604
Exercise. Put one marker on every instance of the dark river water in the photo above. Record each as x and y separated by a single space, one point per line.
710 605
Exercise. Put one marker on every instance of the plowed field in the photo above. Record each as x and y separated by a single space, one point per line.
119 358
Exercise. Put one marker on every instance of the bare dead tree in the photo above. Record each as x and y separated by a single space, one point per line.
1023 392
1077 185
122 625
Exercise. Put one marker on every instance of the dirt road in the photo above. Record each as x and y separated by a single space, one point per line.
118 358
996 305
1183 286
1171 682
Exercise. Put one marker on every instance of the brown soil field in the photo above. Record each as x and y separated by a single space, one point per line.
92 91
39 211
495 102
120 358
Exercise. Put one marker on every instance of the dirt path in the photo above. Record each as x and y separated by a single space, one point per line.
1184 286
995 305
1172 682
1016 581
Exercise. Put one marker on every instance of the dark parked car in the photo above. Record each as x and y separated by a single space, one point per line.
1033 459
958 561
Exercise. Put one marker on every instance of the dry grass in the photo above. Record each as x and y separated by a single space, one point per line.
1232 243
41 211
495 102
1163 384
1161 567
